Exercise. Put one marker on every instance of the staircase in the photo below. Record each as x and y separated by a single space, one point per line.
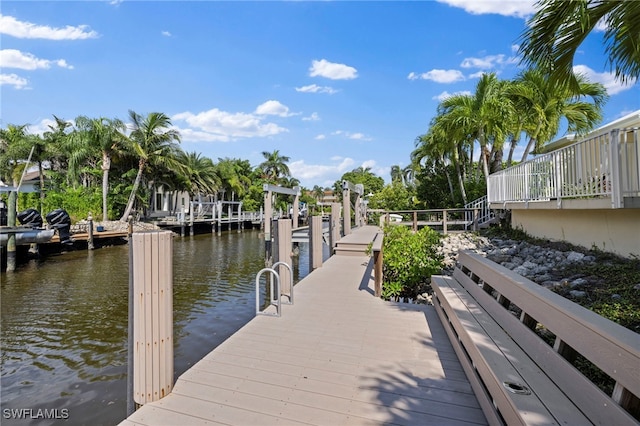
356 243
486 215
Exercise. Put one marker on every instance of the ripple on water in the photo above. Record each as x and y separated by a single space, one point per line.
64 321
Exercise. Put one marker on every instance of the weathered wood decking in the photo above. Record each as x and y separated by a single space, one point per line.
338 356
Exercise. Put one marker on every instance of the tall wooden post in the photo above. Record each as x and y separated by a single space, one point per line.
152 315
334 226
346 209
358 213
296 210
282 253
11 238
268 216
90 245
315 242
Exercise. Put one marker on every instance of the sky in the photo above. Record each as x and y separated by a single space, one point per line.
331 85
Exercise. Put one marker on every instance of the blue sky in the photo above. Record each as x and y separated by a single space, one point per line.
332 85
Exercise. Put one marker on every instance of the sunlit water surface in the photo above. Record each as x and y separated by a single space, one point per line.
64 322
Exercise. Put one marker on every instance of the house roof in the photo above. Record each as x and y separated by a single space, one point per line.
630 120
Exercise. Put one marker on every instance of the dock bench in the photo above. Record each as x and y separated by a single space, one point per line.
491 315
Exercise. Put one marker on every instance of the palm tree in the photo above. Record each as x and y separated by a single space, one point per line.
152 142
275 166
548 103
396 174
200 174
558 28
14 148
482 115
103 136
235 175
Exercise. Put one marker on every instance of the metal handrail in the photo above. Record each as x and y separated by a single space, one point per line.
276 301
290 302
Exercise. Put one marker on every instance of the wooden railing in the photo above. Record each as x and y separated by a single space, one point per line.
607 165
440 219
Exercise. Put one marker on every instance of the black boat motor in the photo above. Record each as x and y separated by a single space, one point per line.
30 217
59 219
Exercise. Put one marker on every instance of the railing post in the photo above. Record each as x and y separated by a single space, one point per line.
616 188
415 221
346 208
315 242
378 267
152 264
334 227
475 219
444 222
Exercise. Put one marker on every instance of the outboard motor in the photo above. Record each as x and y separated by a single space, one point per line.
30 217
59 219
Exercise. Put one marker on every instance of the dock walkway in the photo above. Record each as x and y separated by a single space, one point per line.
338 356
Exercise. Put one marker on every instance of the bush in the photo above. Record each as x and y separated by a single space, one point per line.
409 261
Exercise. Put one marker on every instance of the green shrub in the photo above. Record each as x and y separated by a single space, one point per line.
409 260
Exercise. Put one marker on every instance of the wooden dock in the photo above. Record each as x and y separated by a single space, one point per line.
338 356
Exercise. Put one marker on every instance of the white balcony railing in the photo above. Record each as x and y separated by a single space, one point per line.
606 165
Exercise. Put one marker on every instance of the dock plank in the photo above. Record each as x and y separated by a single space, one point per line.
338 356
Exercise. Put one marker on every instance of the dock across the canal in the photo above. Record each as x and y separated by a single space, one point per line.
339 355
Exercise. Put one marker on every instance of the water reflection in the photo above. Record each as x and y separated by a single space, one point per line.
64 322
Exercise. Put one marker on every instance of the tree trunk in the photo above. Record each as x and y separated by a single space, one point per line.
527 149
132 197
106 165
512 148
496 162
40 171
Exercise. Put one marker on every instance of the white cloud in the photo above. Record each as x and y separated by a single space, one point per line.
478 74
488 62
45 125
331 70
11 58
606 78
320 137
217 125
313 117
273 108
444 95
378 170
439 76
166 33
515 8
13 80
350 135
11 26
327 172
314 88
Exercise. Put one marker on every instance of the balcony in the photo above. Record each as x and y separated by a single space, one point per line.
601 171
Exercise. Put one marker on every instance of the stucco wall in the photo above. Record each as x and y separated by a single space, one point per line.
612 230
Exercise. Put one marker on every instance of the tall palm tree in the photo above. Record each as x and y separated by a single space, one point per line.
152 142
559 27
275 166
548 103
481 115
103 136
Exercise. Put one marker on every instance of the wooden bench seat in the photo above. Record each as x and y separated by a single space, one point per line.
518 378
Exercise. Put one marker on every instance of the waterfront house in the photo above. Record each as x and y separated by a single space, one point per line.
583 190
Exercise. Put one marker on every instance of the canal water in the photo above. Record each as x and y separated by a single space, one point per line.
63 333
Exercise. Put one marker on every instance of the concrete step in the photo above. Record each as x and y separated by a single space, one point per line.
342 250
